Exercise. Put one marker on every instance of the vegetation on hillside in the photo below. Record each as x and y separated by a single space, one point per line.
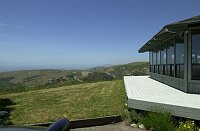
136 69
7 86
18 81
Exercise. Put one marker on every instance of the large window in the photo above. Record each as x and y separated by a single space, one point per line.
154 62
170 57
179 50
151 61
158 61
196 54
163 59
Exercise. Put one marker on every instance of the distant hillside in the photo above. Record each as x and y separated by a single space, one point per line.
135 68
25 80
36 77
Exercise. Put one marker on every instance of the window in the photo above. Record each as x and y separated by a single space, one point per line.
170 57
196 54
158 61
151 61
179 49
163 61
154 62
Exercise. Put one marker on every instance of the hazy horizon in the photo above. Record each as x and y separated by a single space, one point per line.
77 67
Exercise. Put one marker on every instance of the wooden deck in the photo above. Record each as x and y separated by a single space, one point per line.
147 94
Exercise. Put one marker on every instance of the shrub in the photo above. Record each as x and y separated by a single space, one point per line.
158 121
134 116
188 125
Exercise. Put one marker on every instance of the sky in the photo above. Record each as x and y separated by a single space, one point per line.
73 34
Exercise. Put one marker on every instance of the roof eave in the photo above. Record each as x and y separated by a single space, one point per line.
168 31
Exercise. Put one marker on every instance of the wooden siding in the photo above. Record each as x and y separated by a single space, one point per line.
180 84
177 83
194 87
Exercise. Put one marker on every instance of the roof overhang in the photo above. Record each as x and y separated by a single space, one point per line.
169 31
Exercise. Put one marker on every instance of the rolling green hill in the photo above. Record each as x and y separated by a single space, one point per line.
25 80
135 68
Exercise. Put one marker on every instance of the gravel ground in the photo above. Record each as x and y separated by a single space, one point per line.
115 127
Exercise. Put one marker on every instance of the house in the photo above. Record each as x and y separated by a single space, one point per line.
174 80
174 55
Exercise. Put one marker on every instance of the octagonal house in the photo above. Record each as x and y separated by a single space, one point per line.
173 83
174 55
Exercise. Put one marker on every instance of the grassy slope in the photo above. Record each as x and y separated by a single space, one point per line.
73 102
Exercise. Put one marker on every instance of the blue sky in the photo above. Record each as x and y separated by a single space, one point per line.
82 33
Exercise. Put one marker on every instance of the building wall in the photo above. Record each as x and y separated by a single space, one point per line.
194 87
177 83
190 87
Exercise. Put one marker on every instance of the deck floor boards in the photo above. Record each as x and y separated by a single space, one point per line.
145 93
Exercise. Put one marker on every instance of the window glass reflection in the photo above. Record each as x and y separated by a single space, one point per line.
196 54
179 65
170 57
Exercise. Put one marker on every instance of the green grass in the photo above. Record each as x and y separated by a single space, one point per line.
74 102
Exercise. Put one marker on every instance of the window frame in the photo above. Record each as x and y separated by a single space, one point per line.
178 65
170 65
191 63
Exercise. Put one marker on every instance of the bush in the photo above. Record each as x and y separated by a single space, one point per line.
188 125
158 121
135 115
